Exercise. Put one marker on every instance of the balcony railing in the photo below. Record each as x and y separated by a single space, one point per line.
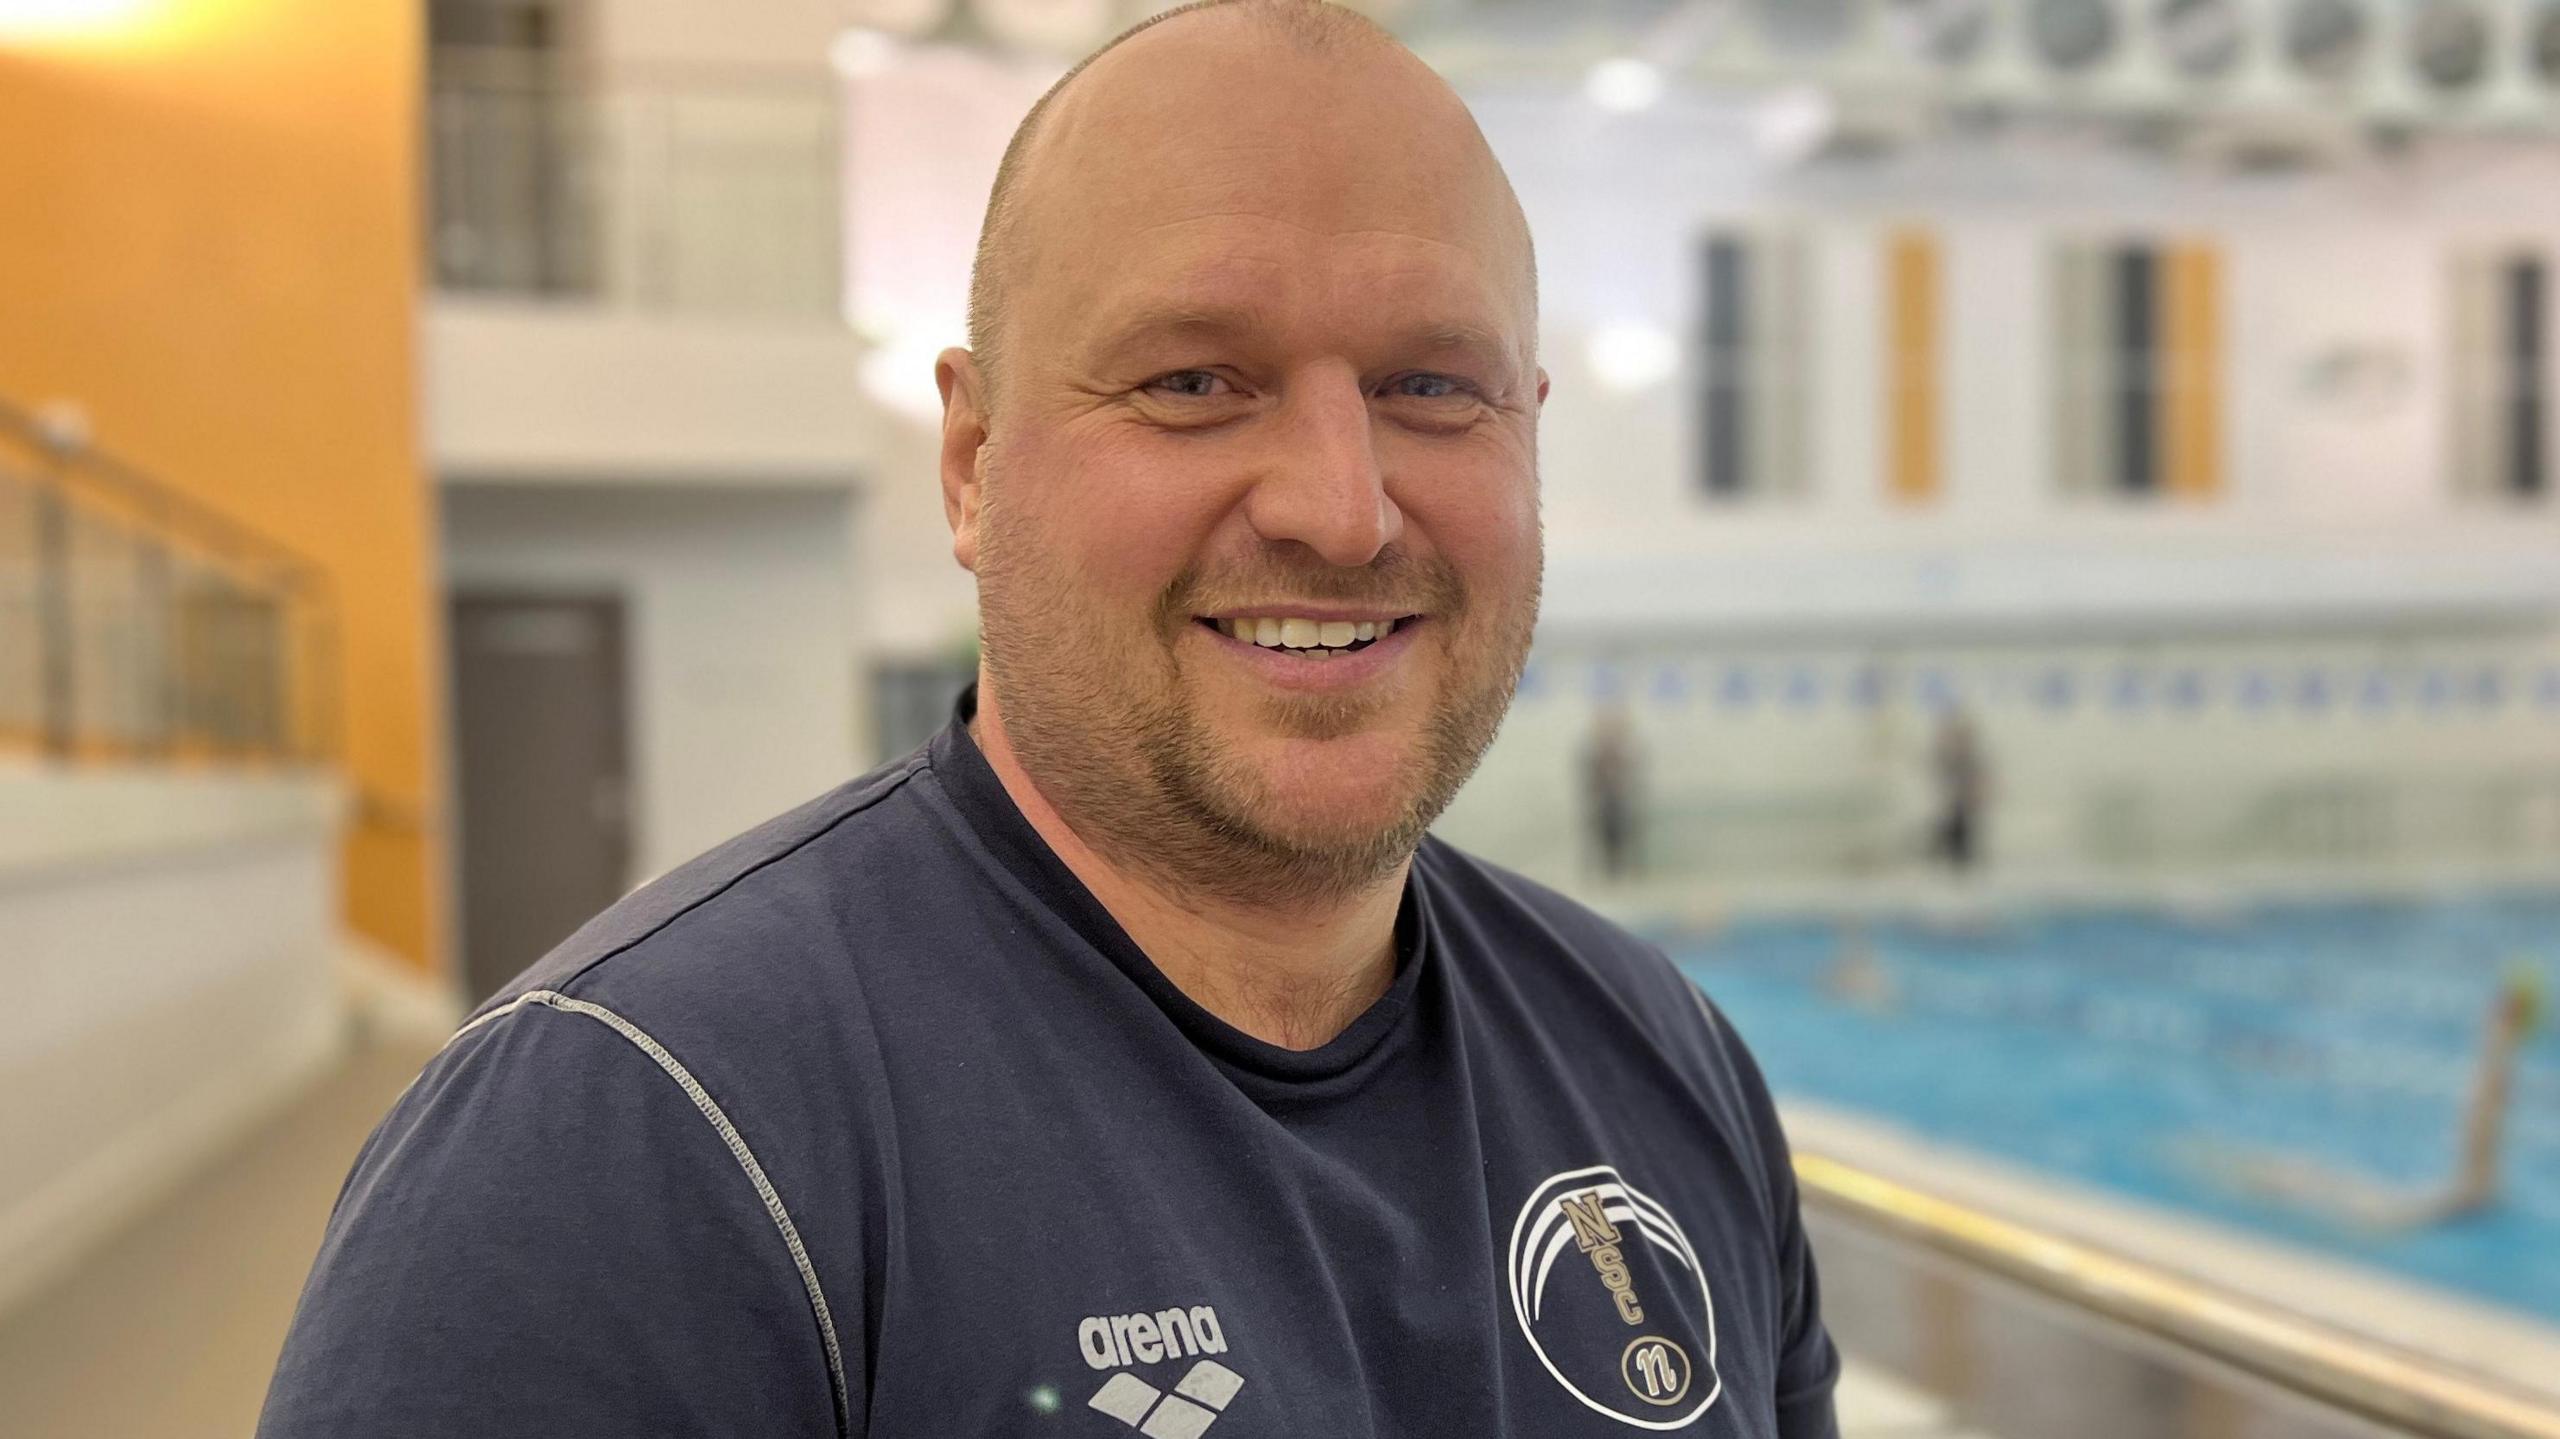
2025 1333
139 624
703 192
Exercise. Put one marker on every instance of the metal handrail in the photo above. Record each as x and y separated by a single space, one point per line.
2298 1356
76 461
172 650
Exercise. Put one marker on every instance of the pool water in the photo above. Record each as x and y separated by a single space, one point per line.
2133 1049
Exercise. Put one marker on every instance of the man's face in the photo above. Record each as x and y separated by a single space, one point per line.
1267 374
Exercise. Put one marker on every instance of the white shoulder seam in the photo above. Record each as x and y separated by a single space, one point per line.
737 1144
1705 1011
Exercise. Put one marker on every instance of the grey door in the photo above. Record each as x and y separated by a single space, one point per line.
541 737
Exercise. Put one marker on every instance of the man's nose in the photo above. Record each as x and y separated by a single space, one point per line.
1322 484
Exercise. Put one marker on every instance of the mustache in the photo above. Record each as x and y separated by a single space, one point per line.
1395 580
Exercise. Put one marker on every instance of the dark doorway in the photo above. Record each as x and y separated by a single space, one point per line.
541 734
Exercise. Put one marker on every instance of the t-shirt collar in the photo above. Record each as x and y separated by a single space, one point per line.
989 809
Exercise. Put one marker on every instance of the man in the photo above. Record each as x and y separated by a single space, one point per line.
1126 1061
1610 790
1964 784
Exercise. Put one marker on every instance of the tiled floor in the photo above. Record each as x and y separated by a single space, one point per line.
172 1332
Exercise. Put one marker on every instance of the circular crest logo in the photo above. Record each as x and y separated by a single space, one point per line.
1613 1300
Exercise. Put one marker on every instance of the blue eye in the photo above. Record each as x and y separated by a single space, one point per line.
1193 384
1438 387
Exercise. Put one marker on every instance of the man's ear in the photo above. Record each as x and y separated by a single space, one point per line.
964 440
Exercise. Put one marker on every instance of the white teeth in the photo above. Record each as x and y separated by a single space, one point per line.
1318 639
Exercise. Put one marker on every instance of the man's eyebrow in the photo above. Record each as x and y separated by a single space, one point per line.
1173 322
1198 322
1473 341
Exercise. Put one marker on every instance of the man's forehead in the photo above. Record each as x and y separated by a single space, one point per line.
1243 257
1409 331
1339 231
1209 178
1369 288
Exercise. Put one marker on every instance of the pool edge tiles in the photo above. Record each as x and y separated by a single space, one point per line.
2515 1349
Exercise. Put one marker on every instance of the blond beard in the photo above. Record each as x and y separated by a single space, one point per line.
1138 774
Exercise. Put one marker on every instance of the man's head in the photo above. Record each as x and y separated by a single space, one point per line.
1254 338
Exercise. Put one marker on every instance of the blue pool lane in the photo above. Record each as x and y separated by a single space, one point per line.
2118 1048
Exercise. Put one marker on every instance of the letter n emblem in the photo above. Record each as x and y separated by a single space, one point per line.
1591 1227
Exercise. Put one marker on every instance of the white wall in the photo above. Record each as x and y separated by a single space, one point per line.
167 944
922 141
2326 507
2339 546
742 627
572 392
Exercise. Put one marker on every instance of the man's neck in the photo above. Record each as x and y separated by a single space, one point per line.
1294 976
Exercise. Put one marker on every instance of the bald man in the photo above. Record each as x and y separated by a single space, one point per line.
1128 1060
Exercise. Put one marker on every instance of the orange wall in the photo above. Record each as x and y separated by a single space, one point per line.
209 240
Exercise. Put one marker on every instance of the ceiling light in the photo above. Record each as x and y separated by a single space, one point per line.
1632 355
1792 126
857 53
1623 85
897 372
70 19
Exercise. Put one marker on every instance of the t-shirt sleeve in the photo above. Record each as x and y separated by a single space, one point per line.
549 1235
1808 1364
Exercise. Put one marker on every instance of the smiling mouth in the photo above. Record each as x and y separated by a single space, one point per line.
1305 638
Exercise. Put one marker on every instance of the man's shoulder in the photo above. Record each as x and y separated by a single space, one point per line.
1515 912
734 977
1482 888
754 908
1570 968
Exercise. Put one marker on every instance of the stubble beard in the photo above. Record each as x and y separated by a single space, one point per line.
1105 732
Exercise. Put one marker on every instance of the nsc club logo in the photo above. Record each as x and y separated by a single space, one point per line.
1614 1301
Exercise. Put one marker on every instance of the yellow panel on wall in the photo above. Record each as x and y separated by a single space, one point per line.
1913 397
213 250
2192 322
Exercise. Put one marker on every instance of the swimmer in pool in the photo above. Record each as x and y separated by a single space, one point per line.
2336 1194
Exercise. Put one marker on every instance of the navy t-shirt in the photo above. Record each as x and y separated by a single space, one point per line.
873 1122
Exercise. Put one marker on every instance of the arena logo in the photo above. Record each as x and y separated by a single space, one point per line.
1115 1341
1627 1326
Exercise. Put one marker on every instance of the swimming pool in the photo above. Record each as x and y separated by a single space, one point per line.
2129 1048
